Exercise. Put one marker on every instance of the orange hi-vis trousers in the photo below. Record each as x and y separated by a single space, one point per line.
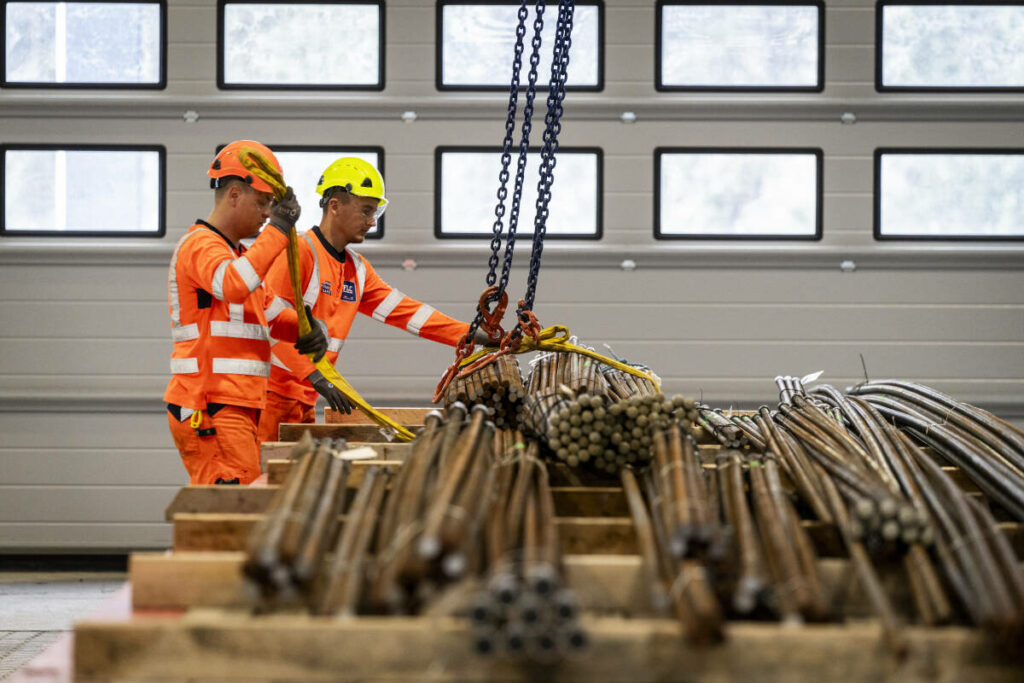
222 449
282 409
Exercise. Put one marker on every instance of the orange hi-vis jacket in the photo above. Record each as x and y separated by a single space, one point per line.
222 319
336 285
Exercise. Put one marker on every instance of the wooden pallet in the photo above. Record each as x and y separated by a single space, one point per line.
216 638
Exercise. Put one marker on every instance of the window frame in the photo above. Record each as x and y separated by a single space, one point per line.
660 86
876 230
340 149
819 157
161 83
221 46
439 49
879 87
441 150
161 151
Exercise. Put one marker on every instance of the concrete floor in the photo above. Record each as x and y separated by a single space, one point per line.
37 607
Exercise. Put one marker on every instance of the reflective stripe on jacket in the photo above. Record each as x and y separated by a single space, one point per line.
336 285
222 319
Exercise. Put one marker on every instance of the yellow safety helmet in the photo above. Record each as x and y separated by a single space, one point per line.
355 176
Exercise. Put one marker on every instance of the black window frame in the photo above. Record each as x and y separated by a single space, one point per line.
221 45
877 192
658 66
161 151
340 149
541 69
879 87
441 150
161 84
819 155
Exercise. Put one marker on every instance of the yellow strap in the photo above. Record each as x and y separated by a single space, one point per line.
556 338
265 171
197 419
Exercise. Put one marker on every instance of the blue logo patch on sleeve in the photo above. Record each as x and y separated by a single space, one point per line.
325 287
348 291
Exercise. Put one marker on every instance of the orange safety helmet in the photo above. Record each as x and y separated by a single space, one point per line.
228 164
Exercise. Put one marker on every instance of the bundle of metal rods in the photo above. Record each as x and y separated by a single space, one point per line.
972 552
882 510
525 609
605 420
498 385
872 456
432 523
552 371
684 585
286 549
732 431
989 450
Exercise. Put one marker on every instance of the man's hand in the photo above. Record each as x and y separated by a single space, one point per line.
316 341
335 398
285 212
480 339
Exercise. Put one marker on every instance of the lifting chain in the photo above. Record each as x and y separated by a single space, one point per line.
487 318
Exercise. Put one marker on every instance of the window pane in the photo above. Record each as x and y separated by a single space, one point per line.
951 195
294 45
952 46
83 43
740 46
469 185
478 45
302 169
77 190
739 194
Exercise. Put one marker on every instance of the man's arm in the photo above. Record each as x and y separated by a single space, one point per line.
382 302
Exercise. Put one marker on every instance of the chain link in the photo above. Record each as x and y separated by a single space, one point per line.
553 126
506 156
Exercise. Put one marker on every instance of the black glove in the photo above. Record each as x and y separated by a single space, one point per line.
285 212
334 397
315 341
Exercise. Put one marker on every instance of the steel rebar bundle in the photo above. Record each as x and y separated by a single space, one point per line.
498 385
989 450
525 610
598 416
286 548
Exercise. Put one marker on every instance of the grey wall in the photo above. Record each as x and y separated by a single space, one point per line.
85 458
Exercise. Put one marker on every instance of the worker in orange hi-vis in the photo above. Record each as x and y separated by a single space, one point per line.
336 283
222 319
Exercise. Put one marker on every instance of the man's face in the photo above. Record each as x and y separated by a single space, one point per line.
253 209
356 218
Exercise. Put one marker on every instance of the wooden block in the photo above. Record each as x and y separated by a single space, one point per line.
226 531
589 535
183 580
589 501
569 501
220 531
407 417
277 471
351 433
243 499
209 645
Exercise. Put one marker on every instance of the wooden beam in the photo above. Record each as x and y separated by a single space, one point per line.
353 433
578 535
407 417
226 531
604 584
570 501
217 645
